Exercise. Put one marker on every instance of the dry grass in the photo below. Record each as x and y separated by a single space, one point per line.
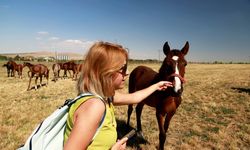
214 114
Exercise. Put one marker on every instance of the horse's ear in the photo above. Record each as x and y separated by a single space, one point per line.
166 48
185 49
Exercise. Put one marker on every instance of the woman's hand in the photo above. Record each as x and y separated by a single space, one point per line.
163 85
120 144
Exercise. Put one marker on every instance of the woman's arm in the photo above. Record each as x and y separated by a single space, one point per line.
138 96
86 121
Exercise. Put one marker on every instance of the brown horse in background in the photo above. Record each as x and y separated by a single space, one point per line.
12 66
77 70
67 66
38 70
56 69
61 68
19 69
71 65
166 102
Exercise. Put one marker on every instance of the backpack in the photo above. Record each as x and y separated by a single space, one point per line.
49 134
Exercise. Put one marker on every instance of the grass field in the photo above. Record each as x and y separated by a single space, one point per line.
214 114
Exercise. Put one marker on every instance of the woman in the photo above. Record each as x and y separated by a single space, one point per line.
103 72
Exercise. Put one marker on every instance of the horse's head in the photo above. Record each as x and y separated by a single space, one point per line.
173 66
27 64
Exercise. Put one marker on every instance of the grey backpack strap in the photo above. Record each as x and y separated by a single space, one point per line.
69 102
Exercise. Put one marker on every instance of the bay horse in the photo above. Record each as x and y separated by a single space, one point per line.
77 70
12 66
61 68
71 65
19 69
38 70
67 66
56 69
166 102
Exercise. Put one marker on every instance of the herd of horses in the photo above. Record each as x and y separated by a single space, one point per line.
165 102
40 70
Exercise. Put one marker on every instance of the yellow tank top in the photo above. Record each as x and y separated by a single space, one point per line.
106 136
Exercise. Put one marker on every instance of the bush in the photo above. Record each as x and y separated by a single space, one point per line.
3 57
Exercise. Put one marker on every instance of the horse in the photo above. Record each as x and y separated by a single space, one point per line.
77 70
71 65
61 68
56 69
12 66
38 70
67 66
166 102
19 69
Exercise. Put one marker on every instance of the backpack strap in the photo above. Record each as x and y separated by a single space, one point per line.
69 102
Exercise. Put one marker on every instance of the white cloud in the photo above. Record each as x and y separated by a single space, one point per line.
38 38
74 41
88 44
54 38
43 33
60 44
73 45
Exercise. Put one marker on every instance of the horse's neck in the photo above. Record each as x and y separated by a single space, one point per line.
21 66
30 66
157 78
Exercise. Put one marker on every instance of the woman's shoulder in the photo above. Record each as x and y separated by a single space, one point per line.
85 100
93 103
92 106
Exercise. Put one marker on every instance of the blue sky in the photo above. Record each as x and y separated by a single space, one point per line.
216 29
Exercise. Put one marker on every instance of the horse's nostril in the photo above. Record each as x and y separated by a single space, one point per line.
179 92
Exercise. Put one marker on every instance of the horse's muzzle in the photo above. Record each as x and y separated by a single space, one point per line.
177 89
183 80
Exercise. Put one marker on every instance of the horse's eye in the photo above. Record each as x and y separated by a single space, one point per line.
169 62
183 63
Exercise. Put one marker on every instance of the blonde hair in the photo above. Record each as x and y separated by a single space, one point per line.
101 62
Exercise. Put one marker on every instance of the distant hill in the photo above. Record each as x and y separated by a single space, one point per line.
72 56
